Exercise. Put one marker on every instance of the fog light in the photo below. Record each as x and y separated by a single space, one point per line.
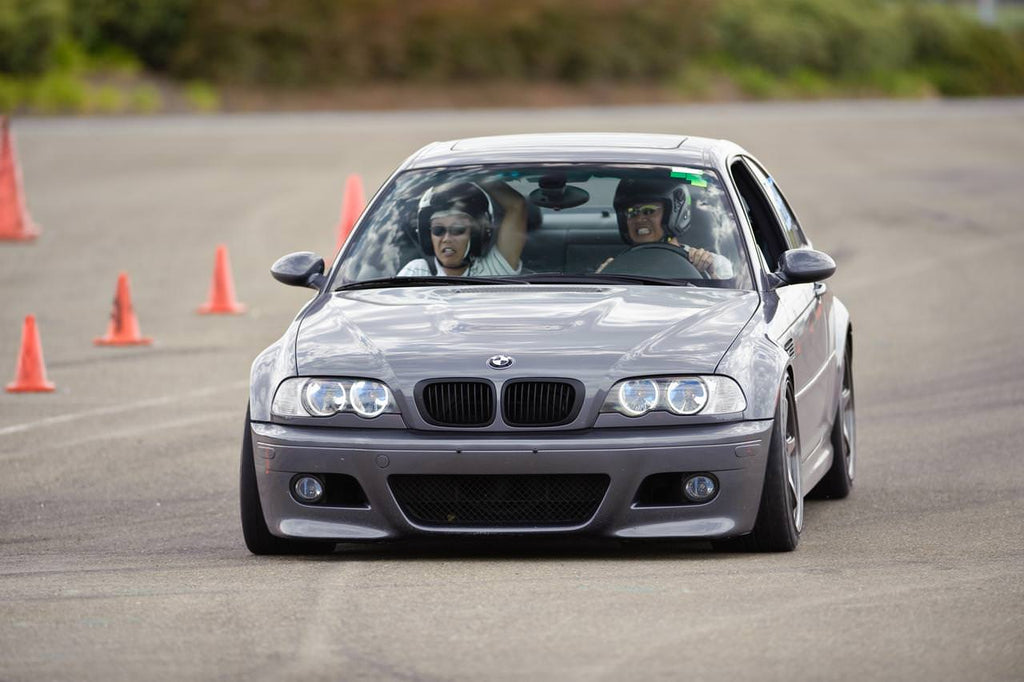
699 488
308 489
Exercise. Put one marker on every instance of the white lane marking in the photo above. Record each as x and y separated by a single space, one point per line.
117 409
123 433
148 428
321 644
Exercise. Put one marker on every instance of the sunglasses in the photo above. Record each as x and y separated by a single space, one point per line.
455 230
645 210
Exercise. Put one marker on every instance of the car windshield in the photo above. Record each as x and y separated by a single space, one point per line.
632 224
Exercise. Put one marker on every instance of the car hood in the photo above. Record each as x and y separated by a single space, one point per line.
403 335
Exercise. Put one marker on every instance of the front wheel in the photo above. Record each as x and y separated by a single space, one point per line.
258 538
781 514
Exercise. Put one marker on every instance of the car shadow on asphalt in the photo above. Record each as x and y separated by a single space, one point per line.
537 548
518 548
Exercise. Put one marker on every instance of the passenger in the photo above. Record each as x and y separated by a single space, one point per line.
659 210
455 225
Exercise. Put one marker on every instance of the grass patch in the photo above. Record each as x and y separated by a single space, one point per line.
808 84
105 99
146 99
58 93
756 82
66 93
12 93
901 84
202 97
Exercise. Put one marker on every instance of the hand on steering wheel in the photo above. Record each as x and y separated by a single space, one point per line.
702 259
657 259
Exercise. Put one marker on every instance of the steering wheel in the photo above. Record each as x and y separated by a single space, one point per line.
655 259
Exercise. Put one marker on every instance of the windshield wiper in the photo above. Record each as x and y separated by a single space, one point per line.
600 277
422 281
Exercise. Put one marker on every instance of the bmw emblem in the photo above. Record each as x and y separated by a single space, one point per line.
500 361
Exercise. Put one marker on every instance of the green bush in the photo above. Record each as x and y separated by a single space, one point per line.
202 97
756 82
145 100
58 93
836 38
900 83
52 49
310 41
961 56
154 30
898 48
105 99
811 84
115 60
29 32
695 81
12 94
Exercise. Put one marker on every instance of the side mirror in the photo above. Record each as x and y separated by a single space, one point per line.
802 266
302 269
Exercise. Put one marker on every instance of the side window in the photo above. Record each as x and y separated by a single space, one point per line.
790 226
765 226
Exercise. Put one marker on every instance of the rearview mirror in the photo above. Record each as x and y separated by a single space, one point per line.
553 192
801 266
301 269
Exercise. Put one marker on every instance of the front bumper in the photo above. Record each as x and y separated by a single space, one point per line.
735 453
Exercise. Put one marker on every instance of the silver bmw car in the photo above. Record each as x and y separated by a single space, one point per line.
623 335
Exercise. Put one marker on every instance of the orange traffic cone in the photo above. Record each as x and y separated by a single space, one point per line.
352 205
30 377
222 289
124 327
15 223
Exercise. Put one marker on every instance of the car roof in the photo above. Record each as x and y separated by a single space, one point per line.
573 147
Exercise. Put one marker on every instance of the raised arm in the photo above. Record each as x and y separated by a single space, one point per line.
512 231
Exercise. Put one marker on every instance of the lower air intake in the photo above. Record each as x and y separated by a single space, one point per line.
494 500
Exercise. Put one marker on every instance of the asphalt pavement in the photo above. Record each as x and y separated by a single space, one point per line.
121 555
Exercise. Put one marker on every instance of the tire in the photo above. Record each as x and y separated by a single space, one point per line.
838 481
258 538
780 515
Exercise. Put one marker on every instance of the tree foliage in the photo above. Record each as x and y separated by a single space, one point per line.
324 42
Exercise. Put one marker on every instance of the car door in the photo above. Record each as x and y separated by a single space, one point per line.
803 329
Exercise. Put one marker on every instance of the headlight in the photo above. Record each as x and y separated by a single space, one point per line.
686 396
637 397
321 397
679 395
370 398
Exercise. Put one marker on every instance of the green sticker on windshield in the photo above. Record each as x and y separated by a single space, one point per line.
693 176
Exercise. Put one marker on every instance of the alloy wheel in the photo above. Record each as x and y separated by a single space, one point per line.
849 420
794 482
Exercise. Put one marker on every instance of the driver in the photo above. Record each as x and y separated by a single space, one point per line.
455 229
658 210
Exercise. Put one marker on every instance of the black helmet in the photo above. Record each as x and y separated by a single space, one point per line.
464 197
673 195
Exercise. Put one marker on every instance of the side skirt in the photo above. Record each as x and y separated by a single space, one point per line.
817 465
